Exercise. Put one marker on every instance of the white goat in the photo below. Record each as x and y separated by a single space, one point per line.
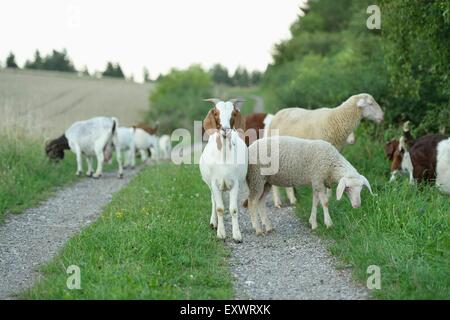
93 137
334 125
223 163
145 142
165 146
126 143
300 162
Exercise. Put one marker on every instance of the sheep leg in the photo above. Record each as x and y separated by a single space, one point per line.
234 211
253 204
291 196
276 197
213 220
313 217
326 215
143 155
220 210
90 171
262 210
132 156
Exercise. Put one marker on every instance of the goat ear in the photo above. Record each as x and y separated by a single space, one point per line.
210 124
366 183
340 188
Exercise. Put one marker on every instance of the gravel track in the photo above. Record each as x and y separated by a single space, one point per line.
290 263
31 239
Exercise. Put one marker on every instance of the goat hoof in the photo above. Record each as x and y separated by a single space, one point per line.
329 225
237 240
96 176
120 176
313 226
89 174
259 232
214 227
79 173
269 231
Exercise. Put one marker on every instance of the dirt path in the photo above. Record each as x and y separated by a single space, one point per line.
30 239
290 263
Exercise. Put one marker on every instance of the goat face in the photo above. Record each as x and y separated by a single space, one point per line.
55 148
371 110
352 186
224 117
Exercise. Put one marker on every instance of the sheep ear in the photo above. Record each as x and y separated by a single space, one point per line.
340 188
366 183
361 103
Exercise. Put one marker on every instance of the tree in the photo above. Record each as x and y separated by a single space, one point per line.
38 63
220 74
146 75
58 61
256 77
241 77
11 61
113 70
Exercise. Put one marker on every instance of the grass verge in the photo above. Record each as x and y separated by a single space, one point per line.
26 174
404 230
152 241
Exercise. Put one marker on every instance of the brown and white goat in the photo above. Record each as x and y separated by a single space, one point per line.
418 157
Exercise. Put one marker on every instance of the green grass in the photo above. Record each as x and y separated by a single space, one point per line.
152 241
404 229
26 174
248 94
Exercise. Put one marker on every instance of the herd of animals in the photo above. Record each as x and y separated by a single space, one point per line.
305 143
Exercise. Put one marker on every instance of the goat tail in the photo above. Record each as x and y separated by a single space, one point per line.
115 125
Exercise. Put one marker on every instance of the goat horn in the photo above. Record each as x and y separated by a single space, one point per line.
213 100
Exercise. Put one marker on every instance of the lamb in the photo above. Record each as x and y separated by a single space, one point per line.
93 137
144 142
333 125
223 163
165 146
300 162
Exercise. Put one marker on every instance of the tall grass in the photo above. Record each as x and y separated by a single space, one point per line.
26 174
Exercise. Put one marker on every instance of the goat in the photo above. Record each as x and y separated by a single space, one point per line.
93 137
223 163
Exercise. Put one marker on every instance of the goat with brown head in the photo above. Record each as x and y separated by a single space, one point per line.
224 117
55 148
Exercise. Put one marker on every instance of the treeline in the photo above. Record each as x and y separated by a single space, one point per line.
240 78
332 54
60 61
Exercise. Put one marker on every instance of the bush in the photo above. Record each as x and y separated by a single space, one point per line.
176 100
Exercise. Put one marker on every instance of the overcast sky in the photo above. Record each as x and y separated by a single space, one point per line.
158 34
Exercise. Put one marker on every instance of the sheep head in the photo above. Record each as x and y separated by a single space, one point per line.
352 185
371 110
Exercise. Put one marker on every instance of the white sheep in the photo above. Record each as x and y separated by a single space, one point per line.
300 162
334 125
223 163
93 137
165 146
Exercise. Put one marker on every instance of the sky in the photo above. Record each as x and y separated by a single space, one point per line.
157 34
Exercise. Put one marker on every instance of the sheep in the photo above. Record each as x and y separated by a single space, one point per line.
165 146
223 163
93 137
333 125
126 143
300 162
